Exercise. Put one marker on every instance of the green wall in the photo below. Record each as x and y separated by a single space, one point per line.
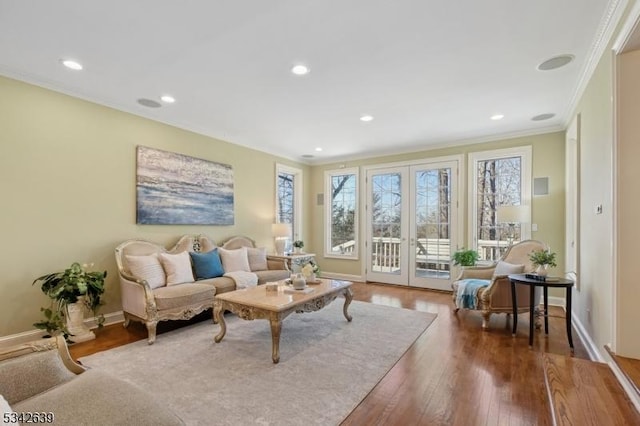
67 179
547 211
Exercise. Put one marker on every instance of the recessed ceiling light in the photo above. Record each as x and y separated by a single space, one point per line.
168 99
300 69
366 118
542 117
71 64
497 116
149 103
555 62
318 149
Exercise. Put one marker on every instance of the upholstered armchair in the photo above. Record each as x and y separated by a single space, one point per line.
491 292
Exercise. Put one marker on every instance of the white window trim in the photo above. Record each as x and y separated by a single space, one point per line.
525 152
328 174
297 198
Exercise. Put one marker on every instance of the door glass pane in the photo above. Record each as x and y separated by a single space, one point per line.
385 222
432 223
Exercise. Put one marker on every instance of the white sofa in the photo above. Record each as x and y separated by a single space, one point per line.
148 303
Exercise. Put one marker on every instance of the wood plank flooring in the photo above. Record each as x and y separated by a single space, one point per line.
454 374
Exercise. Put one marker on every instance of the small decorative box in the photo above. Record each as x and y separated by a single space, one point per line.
271 287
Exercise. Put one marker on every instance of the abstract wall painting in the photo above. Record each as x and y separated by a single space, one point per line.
175 189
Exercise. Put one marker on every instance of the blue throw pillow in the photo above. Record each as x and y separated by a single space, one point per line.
207 265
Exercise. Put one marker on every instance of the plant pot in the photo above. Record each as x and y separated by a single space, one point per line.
297 250
75 322
542 270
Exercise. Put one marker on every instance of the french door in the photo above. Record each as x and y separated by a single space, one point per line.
412 216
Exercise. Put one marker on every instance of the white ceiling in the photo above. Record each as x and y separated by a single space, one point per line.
430 72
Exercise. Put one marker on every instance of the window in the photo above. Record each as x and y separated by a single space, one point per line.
289 198
498 178
341 193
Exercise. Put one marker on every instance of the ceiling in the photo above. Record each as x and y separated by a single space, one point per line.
431 73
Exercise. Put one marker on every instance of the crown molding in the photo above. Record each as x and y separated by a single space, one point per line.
606 29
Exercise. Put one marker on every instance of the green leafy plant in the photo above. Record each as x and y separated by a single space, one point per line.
298 244
66 287
465 257
543 258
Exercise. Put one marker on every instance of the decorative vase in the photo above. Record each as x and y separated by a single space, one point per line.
75 322
312 278
542 270
297 250
298 282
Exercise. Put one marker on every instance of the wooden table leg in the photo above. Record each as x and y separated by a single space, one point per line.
532 296
514 303
545 291
218 316
276 327
348 297
568 319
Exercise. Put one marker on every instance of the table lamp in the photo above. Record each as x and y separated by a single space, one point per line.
281 233
512 215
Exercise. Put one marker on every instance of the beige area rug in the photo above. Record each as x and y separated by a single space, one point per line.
327 365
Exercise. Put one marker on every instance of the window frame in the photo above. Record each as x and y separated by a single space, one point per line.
296 232
526 179
328 210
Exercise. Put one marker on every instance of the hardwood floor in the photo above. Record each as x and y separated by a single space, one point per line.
454 374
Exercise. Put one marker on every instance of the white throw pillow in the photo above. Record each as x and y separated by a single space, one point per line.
147 268
505 268
5 408
177 267
257 258
235 260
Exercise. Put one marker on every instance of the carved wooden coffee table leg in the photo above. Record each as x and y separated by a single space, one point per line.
276 327
348 297
218 317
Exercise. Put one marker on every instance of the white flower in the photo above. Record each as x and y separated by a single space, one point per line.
307 270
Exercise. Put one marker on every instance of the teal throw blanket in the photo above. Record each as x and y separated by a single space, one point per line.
467 297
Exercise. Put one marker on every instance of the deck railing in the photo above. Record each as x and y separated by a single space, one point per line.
431 253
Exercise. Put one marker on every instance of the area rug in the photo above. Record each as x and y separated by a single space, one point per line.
327 365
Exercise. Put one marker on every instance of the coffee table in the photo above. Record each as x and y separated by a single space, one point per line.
275 306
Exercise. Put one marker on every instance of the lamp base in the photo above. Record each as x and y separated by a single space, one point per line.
281 243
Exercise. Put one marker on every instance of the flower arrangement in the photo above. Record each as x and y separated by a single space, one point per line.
298 244
64 288
310 268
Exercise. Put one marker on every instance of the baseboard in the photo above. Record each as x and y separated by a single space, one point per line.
556 301
27 336
587 341
345 277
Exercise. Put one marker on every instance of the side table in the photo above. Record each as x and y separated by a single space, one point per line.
533 283
293 258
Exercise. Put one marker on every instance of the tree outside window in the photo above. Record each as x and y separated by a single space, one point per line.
342 213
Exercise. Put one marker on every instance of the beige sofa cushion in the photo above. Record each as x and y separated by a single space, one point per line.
46 366
222 284
272 275
180 295
177 267
234 260
257 259
147 268
95 398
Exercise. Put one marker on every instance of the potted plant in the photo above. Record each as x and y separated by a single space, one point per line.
464 257
543 259
298 245
71 291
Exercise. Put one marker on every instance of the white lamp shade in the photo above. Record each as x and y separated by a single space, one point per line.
281 230
513 214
